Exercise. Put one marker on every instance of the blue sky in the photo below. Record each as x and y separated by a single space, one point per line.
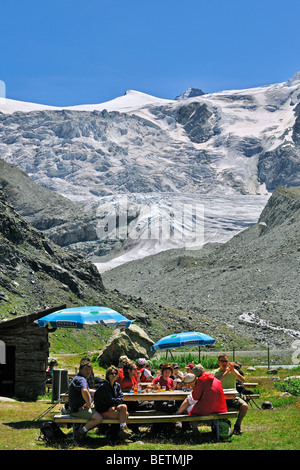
67 52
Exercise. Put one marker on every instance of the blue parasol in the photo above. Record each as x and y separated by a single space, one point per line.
77 317
181 340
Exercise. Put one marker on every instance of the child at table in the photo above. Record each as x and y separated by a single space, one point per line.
165 406
164 380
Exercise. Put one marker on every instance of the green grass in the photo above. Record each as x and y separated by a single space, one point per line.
276 429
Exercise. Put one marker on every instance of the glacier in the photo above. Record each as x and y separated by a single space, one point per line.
223 153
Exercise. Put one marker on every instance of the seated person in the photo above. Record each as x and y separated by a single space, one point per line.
239 385
148 372
145 373
177 374
207 396
122 361
49 373
228 376
79 401
186 382
91 379
158 373
164 380
108 401
131 379
189 369
130 376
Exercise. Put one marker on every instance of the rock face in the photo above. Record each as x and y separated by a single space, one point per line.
132 342
67 223
35 272
190 93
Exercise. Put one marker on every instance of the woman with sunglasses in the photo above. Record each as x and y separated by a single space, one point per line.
131 376
108 400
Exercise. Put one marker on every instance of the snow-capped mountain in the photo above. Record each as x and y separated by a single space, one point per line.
228 144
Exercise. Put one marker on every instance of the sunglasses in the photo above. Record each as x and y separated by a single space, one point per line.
113 373
222 360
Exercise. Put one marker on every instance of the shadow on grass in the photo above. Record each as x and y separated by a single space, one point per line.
65 442
145 435
177 437
24 424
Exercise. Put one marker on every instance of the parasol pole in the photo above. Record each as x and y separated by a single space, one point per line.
87 343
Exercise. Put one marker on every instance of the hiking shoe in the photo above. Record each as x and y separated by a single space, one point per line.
237 430
124 434
80 434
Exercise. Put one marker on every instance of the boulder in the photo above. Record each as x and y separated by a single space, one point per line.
272 371
132 342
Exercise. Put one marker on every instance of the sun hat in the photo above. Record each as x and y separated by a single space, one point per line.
188 378
190 365
198 369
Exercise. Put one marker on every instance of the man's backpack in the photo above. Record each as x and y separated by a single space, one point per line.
51 432
224 429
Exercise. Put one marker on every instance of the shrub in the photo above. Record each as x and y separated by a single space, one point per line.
291 385
182 360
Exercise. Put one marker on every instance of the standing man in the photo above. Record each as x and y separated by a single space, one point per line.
80 402
228 376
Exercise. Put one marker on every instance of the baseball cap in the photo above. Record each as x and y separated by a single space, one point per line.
198 369
190 365
188 378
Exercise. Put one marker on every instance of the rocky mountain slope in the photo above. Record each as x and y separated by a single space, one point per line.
250 283
67 223
36 274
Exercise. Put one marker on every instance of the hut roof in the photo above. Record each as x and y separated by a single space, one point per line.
31 317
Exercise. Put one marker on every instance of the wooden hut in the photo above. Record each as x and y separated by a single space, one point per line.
24 356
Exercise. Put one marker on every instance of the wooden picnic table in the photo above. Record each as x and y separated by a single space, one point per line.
169 395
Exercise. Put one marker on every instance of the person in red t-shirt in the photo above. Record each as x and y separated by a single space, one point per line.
164 380
141 367
130 377
207 396
122 361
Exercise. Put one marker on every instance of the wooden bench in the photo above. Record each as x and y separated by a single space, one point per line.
149 419
250 384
